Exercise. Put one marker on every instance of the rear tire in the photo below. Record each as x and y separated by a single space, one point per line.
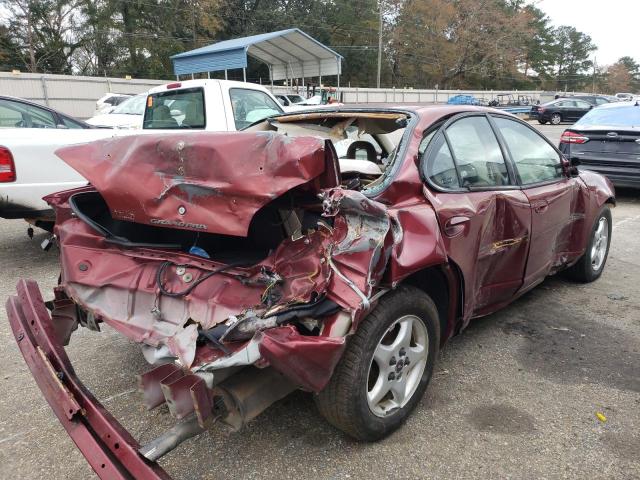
542 122
556 119
591 264
385 369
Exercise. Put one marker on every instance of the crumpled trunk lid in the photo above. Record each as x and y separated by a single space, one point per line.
209 182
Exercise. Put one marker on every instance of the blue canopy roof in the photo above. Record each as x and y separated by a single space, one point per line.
289 53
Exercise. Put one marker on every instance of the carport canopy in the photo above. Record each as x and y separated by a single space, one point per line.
288 53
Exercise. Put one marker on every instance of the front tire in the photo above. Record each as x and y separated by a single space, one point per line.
385 368
591 264
556 119
542 122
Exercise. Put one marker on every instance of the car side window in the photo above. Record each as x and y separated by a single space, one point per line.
30 116
9 117
536 161
67 122
441 170
601 101
477 153
251 106
582 104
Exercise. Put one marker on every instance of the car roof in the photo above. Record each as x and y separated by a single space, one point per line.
203 83
29 102
614 105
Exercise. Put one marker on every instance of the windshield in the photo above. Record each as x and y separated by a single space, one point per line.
627 116
131 106
173 109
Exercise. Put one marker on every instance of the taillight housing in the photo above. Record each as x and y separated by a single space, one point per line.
541 109
7 167
572 137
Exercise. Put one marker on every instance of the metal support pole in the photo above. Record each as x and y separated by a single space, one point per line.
208 74
44 90
379 42
244 74
338 86
225 74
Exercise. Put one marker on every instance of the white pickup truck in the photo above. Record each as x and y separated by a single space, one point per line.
32 170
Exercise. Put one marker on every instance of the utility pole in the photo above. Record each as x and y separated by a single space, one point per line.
593 79
379 42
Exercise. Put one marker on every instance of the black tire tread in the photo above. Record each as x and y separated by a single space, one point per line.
336 402
581 271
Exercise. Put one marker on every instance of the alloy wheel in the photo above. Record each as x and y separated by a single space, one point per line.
397 365
599 244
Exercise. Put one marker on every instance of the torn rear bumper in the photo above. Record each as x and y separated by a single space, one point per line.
110 450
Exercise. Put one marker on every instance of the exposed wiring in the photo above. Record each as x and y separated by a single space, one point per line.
191 287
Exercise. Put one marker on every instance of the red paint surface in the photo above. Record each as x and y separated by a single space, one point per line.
307 361
219 180
491 246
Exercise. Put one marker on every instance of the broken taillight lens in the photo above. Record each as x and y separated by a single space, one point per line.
572 137
7 167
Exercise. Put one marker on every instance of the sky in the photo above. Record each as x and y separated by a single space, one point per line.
612 24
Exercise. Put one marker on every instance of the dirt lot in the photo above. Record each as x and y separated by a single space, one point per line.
514 396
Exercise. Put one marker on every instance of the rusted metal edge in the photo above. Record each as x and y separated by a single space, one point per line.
108 447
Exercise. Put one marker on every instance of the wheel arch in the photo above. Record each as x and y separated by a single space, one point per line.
443 283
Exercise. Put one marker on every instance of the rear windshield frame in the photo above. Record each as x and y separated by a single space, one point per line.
169 93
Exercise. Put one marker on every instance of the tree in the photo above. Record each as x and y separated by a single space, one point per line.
619 78
571 53
459 43
44 32
9 53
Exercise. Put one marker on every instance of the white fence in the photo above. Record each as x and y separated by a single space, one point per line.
73 95
76 96
419 96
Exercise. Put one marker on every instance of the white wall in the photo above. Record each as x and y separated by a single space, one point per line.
73 95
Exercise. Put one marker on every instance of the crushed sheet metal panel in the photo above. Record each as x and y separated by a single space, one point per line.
210 181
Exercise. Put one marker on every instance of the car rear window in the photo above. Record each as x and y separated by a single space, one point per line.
175 109
627 116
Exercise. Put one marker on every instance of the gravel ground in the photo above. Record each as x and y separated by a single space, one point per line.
514 396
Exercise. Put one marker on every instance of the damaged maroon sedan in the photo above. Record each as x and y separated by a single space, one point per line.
331 251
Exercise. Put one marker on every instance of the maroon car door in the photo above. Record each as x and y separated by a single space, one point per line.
485 218
550 192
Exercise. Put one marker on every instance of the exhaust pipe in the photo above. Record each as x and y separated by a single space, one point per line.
170 439
249 392
244 396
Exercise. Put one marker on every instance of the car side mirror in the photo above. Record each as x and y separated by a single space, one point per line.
574 163
590 107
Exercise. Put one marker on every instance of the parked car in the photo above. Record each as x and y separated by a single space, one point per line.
217 105
595 100
247 265
29 134
561 110
33 170
108 101
128 114
289 100
625 97
463 100
607 140
20 113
